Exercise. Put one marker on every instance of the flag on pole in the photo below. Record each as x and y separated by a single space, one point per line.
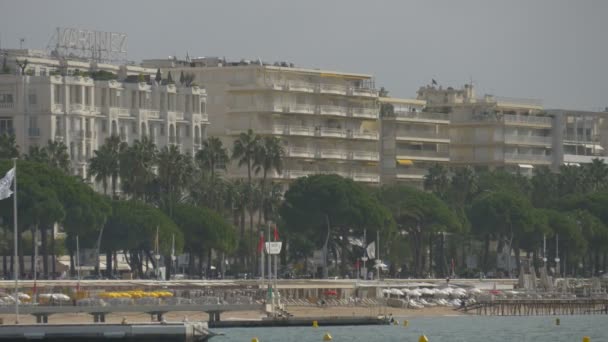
261 244
276 233
5 184
371 250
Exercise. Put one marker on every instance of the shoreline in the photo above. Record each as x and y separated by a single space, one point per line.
191 316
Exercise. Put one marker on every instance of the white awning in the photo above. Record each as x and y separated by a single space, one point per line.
596 147
572 164
526 166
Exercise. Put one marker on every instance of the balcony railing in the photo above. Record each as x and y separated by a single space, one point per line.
414 172
332 132
302 109
333 89
57 108
301 152
363 92
120 111
430 135
371 113
76 107
423 153
153 114
6 105
365 177
365 135
528 139
333 110
528 157
293 130
302 86
422 116
333 154
529 120
365 155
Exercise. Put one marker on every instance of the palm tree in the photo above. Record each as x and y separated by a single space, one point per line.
114 148
103 166
244 150
58 155
136 167
212 155
174 173
437 180
8 146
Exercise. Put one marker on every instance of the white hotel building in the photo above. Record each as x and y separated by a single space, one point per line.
327 120
52 102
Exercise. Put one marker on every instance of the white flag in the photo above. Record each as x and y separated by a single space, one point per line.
5 184
371 250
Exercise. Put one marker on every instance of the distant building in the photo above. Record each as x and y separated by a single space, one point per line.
581 135
69 100
413 139
327 120
492 131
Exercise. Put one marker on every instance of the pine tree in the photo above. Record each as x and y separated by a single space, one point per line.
158 77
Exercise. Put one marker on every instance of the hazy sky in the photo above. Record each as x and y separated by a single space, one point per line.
553 50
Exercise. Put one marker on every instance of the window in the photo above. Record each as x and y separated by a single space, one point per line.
203 107
162 130
133 127
133 97
32 99
33 129
57 93
87 96
187 131
6 125
6 98
104 125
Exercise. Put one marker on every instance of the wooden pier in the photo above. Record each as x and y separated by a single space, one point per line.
539 307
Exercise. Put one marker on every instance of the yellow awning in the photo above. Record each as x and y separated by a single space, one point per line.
404 162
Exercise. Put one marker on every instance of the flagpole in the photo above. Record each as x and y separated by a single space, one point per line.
16 266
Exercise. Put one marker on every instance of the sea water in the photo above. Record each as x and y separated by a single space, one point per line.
440 329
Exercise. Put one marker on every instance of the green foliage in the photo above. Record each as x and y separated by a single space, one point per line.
387 110
204 228
133 225
102 75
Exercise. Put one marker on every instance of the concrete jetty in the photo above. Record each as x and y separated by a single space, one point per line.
144 332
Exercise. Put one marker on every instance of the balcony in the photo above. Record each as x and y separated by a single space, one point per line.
77 107
422 117
293 130
524 120
423 155
153 114
411 173
333 154
528 140
528 158
300 152
332 132
363 92
369 113
365 177
119 111
365 155
365 135
301 109
302 87
431 136
34 132
6 105
57 108
333 89
332 110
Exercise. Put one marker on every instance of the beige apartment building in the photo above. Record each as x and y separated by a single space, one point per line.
52 100
327 120
492 131
413 139
581 135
